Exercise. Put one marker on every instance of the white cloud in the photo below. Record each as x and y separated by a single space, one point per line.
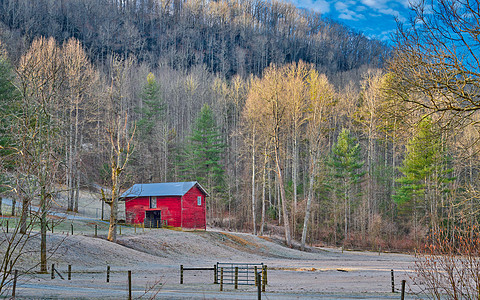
351 16
361 8
373 3
323 5
382 4
392 12
346 11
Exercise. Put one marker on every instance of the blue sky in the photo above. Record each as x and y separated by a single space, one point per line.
375 18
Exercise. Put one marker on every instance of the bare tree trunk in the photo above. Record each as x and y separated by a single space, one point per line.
14 203
113 203
254 216
294 178
70 176
370 194
23 217
313 168
165 151
262 224
77 187
76 170
112 228
43 230
347 210
335 218
286 223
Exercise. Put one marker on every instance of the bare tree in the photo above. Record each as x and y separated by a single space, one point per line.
121 142
39 81
321 100
448 265
119 137
267 107
436 57
77 90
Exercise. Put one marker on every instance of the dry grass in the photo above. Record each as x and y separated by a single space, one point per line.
238 240
266 238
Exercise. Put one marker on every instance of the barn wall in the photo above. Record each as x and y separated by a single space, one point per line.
193 215
171 208
135 209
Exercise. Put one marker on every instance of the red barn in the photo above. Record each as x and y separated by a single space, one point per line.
179 204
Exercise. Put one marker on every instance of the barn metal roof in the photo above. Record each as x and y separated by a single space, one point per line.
161 189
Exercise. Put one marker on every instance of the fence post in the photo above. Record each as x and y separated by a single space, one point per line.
181 274
120 228
52 225
95 230
7 225
402 297
157 224
53 272
69 272
257 279
129 285
71 225
215 274
108 273
221 279
393 281
264 278
15 275
236 277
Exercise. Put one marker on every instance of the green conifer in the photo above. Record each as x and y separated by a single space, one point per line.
204 151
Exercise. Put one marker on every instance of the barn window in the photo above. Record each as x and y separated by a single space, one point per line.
199 200
153 202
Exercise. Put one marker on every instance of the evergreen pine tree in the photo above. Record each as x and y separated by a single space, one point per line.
203 152
150 160
152 110
345 164
425 174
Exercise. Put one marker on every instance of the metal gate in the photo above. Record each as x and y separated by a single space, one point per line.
246 272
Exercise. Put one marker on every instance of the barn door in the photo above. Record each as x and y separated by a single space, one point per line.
153 219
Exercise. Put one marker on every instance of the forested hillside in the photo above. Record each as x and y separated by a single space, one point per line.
291 121
226 37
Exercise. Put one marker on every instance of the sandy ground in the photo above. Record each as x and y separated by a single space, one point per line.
154 257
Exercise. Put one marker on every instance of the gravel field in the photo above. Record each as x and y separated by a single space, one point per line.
154 257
